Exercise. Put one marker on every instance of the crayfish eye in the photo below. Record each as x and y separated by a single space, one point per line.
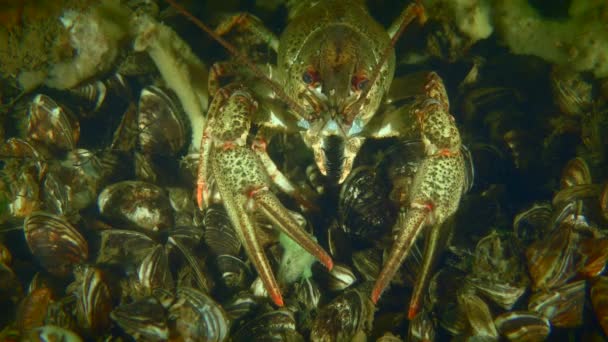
310 77
360 83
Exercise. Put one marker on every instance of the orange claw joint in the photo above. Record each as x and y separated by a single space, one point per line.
412 224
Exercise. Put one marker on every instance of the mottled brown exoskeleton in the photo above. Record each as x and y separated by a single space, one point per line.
333 85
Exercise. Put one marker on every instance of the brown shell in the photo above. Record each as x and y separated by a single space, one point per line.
56 244
162 128
94 300
599 299
52 124
141 204
145 319
196 309
523 326
576 172
563 307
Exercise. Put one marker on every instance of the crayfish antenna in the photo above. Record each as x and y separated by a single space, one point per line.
278 90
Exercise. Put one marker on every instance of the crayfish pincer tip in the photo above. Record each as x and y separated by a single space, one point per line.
277 299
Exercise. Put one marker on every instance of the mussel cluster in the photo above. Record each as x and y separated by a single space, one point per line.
101 238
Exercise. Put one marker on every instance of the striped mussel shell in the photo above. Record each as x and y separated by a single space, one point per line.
350 315
144 319
277 325
154 272
503 294
368 262
143 205
595 251
363 206
32 310
478 315
52 124
571 92
576 172
421 328
599 299
101 95
55 243
563 306
50 333
240 305
198 317
523 326
23 149
220 236
604 201
94 300
531 224
162 127
555 259
307 293
5 255
235 273
24 194
338 279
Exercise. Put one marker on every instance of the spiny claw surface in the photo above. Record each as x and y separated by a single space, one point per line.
436 188
242 181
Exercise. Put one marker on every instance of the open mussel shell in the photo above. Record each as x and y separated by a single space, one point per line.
198 317
162 128
220 236
141 204
523 326
50 123
348 316
144 320
563 306
277 325
56 244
